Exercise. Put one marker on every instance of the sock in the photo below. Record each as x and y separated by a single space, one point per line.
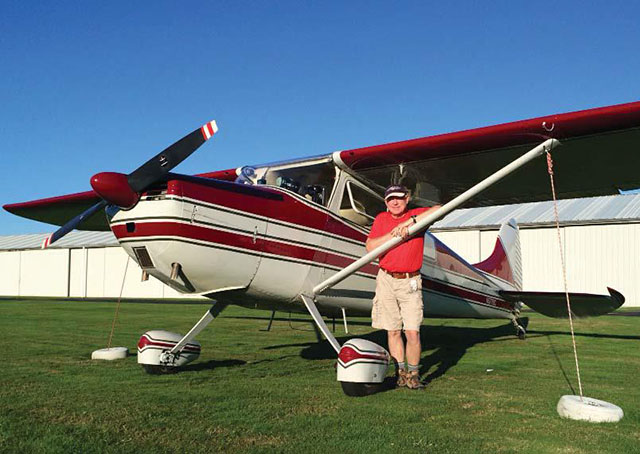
414 368
399 366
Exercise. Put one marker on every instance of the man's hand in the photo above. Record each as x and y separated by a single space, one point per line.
400 231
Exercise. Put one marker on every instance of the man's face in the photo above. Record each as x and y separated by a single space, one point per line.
397 205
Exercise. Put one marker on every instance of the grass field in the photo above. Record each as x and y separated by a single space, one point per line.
257 391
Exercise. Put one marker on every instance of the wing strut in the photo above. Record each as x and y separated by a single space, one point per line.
430 218
423 222
313 310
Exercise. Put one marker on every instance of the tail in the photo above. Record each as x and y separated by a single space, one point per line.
505 261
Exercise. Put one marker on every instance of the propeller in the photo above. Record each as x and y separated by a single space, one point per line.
124 190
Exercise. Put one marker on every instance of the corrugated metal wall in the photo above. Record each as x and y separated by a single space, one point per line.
597 256
76 273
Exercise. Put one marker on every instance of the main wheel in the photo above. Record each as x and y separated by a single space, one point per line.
352 389
154 369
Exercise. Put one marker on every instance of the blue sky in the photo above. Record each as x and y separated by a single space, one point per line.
102 86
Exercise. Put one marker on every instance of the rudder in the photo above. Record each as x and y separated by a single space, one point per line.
505 261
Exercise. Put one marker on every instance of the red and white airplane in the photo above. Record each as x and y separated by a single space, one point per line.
290 235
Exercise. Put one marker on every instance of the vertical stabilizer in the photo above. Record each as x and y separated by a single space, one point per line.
505 261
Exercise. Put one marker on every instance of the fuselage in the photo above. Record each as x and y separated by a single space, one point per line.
262 246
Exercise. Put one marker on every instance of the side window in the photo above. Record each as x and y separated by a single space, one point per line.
360 205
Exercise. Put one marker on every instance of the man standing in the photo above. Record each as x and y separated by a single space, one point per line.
398 304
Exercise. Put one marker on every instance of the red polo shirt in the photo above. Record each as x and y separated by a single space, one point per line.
405 257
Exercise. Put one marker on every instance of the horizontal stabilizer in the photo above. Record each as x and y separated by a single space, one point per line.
554 304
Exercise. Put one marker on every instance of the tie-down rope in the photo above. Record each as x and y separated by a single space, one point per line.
564 269
115 317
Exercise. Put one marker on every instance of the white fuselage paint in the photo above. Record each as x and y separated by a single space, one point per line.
275 276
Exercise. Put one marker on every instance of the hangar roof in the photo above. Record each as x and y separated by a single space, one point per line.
594 210
76 239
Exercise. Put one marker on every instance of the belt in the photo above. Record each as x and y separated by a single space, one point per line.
401 275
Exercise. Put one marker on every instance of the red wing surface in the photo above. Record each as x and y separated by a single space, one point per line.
600 154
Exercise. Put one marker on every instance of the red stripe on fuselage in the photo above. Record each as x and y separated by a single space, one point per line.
467 294
289 209
193 232
236 240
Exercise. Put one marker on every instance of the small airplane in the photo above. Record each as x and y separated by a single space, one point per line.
291 235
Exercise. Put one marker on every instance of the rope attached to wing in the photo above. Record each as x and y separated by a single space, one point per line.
115 317
564 269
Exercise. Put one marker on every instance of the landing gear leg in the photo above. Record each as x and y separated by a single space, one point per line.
520 331
152 347
273 314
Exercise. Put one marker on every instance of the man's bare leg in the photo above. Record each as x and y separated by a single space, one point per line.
414 349
396 345
396 349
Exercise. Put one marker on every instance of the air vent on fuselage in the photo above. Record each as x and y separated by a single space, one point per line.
144 259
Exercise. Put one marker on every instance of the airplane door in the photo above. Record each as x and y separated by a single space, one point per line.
359 205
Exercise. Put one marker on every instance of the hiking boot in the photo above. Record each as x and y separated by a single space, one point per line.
413 380
401 380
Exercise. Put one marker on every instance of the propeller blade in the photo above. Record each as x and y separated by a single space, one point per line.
124 190
158 166
73 224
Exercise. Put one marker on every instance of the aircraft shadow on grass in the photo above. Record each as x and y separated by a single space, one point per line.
208 365
443 346
212 364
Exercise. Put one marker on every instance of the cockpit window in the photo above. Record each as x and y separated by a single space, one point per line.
312 181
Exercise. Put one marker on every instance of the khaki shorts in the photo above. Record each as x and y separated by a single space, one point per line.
396 305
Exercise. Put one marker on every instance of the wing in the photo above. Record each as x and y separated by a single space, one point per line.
58 210
597 157
599 148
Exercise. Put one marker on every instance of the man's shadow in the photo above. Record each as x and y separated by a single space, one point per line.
446 344
450 343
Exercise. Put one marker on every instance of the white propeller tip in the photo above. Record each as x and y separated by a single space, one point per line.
209 129
46 242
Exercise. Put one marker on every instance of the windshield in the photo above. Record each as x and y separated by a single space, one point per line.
313 181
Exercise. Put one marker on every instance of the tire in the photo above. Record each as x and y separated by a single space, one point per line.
153 369
352 389
588 409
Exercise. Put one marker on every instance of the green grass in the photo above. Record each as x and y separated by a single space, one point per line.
257 391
